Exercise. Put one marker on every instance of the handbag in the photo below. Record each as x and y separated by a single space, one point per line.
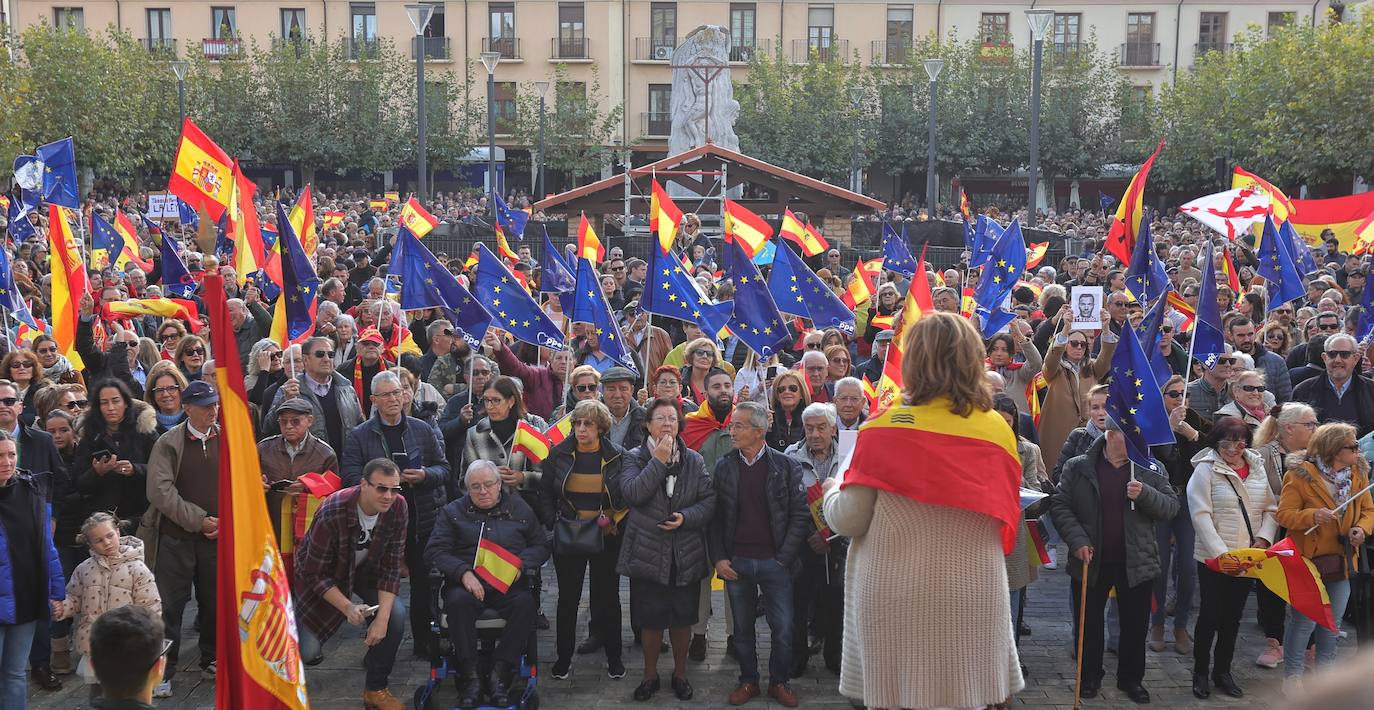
574 536
1330 567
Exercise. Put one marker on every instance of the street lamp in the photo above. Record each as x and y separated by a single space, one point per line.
856 97
179 68
539 186
933 67
419 19
490 60
1039 21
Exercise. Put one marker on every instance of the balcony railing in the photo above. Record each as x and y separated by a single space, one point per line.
1202 48
509 47
570 48
217 49
160 46
363 48
433 47
655 49
889 51
1140 54
832 50
996 52
745 52
299 45
1063 50
655 125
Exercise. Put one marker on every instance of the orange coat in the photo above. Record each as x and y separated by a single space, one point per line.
1304 492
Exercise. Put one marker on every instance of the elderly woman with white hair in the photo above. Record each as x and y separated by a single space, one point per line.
345 337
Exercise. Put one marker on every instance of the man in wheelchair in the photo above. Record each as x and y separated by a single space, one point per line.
511 540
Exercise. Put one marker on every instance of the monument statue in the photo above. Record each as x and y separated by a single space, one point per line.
703 106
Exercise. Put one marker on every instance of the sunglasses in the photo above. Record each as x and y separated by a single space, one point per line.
1340 353
195 352
585 388
47 351
1351 447
1226 361
22 363
1328 327
77 404
323 354
1254 388
9 401
1077 344
449 333
1174 393
276 355
393 490
814 346
707 353
168 336
788 388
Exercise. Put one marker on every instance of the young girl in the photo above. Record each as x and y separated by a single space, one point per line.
113 576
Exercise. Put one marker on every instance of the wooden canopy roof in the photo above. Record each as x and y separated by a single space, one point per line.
790 190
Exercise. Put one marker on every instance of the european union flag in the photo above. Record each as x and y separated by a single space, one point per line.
427 284
58 160
1150 338
1276 265
176 279
1303 252
10 297
1006 262
799 291
104 238
896 254
673 293
186 214
512 221
755 320
968 236
511 305
299 282
554 274
1135 402
1208 343
1145 277
589 306
20 228
985 235
1104 202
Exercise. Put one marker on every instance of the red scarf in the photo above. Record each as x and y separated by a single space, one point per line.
358 385
1014 366
700 425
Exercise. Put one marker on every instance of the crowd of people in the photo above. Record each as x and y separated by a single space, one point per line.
704 462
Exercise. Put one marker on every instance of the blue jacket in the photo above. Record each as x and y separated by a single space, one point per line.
366 442
42 516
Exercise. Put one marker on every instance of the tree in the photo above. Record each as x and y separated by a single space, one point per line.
579 123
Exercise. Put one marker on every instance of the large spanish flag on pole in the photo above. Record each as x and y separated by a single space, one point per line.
257 644
1342 215
1279 202
1121 236
303 221
744 226
664 215
68 281
202 172
245 231
918 302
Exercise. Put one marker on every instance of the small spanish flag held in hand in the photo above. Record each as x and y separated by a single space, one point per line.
530 442
588 244
496 565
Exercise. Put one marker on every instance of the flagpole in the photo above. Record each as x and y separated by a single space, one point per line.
1192 341
477 555
1342 506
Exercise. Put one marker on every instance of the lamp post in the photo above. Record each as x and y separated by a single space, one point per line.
933 67
1039 21
419 19
490 60
539 186
179 68
856 97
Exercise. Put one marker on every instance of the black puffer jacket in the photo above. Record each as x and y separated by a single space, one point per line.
511 523
125 496
648 551
788 515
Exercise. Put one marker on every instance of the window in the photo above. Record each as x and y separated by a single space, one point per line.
1066 34
995 28
572 31
159 27
502 23
70 18
363 20
505 107
1140 40
222 23
660 110
1280 20
1211 32
570 96
1135 123
820 30
900 28
743 24
293 24
662 29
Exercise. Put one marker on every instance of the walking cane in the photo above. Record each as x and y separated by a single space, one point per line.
1082 610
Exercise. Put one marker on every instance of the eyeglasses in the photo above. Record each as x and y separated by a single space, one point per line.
168 336
1340 353
386 490
47 351
323 354
585 388
1174 393
276 355
617 268
170 389
699 353
783 389
675 384
77 404
449 333
22 363
387 395
483 371
9 401
489 485
489 401
1309 425
1254 388
194 352
839 361
1351 447
1231 444
1226 361
1328 327
1077 344
166 646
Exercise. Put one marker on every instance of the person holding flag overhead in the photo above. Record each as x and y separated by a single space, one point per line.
484 543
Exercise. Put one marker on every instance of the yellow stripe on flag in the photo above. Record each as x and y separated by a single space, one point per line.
496 565
68 282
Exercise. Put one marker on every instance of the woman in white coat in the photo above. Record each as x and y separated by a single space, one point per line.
1233 507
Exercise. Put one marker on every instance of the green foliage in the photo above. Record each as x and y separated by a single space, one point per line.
578 128
799 116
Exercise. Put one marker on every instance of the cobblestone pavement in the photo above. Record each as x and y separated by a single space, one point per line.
337 682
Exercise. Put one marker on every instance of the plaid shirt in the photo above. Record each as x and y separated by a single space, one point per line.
325 559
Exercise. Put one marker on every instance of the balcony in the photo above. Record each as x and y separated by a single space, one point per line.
745 52
363 48
217 49
1064 51
889 52
436 48
1140 54
570 48
299 45
1203 48
655 125
161 47
655 49
996 52
825 51
509 47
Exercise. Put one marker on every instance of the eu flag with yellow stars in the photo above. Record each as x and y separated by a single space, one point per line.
1135 402
1145 277
10 297
799 291
1004 268
425 283
512 221
514 309
755 320
673 293
589 306
896 254
1277 265
300 283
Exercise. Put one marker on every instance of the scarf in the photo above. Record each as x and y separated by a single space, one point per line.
1258 413
358 383
1093 431
1340 479
675 458
700 425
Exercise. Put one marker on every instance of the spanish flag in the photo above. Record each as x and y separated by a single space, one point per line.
496 565
588 244
530 442
803 235
1037 254
1364 235
1279 202
417 219
937 446
68 281
245 231
163 307
746 227
1229 268
964 207
861 285
471 261
303 221
256 642
1126 225
1286 573
333 220
1034 388
392 196
664 216
377 204
918 303
1177 303
503 246
126 229
202 173
1341 215
815 499
559 430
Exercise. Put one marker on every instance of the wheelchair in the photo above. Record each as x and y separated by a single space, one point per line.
524 694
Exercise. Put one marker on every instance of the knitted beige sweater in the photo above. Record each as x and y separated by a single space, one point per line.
926 620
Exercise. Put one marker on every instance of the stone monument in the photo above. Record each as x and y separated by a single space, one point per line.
704 108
